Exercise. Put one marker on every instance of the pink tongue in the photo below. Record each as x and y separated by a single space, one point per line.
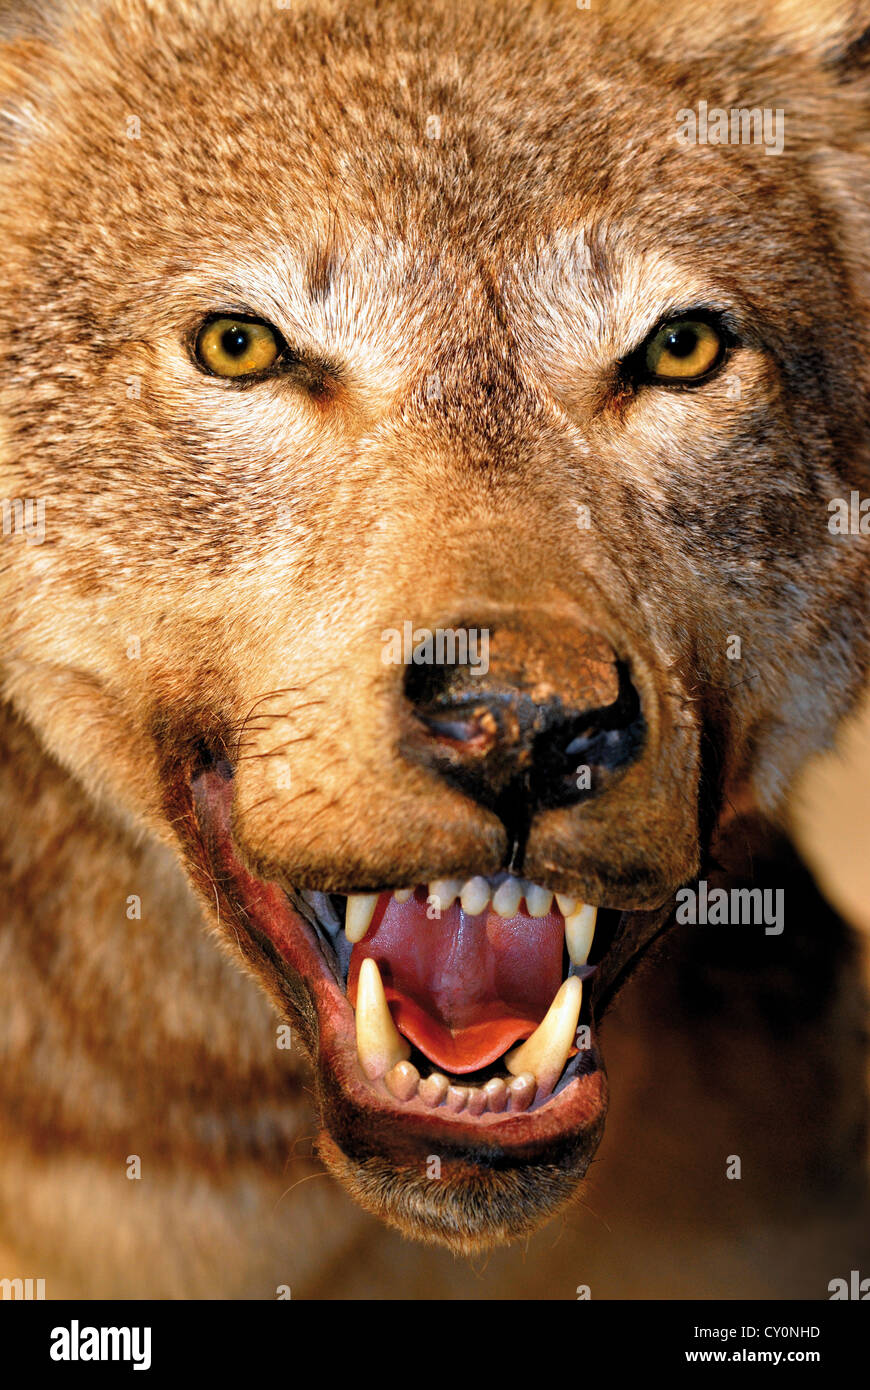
462 989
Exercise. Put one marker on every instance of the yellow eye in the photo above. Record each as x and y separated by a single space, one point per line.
237 347
683 350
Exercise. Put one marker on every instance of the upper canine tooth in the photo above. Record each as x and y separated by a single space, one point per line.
579 931
538 899
507 897
546 1051
446 890
379 1043
566 905
474 896
359 914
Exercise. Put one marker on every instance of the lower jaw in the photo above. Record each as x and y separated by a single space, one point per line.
363 1115
367 1122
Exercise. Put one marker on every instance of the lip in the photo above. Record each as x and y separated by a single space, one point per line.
361 1116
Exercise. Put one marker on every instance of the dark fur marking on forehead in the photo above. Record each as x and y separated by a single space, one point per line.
856 56
320 272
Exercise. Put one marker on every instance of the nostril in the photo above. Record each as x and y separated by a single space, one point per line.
443 685
515 740
578 754
475 730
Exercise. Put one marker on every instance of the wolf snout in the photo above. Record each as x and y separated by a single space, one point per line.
553 719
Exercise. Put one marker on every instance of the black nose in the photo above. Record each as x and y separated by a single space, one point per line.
552 720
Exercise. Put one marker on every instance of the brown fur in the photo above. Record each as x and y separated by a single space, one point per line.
256 541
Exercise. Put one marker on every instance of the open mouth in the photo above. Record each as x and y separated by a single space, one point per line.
467 995
464 1008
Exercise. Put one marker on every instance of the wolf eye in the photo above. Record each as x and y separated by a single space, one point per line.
682 350
238 347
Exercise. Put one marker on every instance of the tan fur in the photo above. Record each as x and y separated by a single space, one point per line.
257 542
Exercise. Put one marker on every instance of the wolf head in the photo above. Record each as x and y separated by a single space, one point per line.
343 346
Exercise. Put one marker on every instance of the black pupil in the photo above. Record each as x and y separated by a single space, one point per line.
234 341
681 342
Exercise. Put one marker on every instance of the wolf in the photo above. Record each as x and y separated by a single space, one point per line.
325 319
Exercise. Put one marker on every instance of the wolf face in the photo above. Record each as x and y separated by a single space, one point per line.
328 325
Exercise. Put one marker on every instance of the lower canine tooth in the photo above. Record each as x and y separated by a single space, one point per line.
521 1091
359 914
546 1051
433 1090
379 1043
579 931
402 1081
474 896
